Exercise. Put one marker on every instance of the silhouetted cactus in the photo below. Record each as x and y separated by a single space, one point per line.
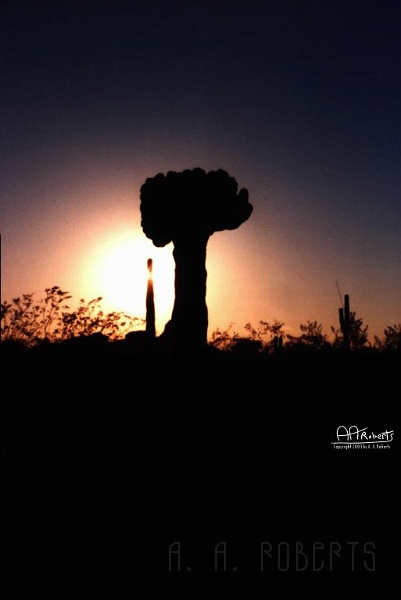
150 303
345 323
187 208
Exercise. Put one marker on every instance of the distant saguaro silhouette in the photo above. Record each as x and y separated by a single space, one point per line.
150 303
345 322
186 208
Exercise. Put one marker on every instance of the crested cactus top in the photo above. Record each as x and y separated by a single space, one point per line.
191 203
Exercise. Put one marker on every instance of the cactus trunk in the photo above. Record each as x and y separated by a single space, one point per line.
189 319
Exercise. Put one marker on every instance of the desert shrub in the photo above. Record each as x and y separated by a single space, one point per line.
50 319
256 339
224 339
391 340
311 338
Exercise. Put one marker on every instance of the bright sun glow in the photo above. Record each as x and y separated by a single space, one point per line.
118 269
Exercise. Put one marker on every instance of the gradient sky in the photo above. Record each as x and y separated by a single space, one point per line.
298 100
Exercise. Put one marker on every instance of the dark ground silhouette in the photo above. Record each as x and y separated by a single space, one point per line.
112 455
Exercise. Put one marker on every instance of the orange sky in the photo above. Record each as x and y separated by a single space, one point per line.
262 271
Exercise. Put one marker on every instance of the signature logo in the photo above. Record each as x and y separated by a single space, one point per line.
362 438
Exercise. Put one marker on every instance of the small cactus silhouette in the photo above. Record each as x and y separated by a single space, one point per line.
345 322
150 303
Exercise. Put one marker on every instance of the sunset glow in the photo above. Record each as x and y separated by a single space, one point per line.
118 269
